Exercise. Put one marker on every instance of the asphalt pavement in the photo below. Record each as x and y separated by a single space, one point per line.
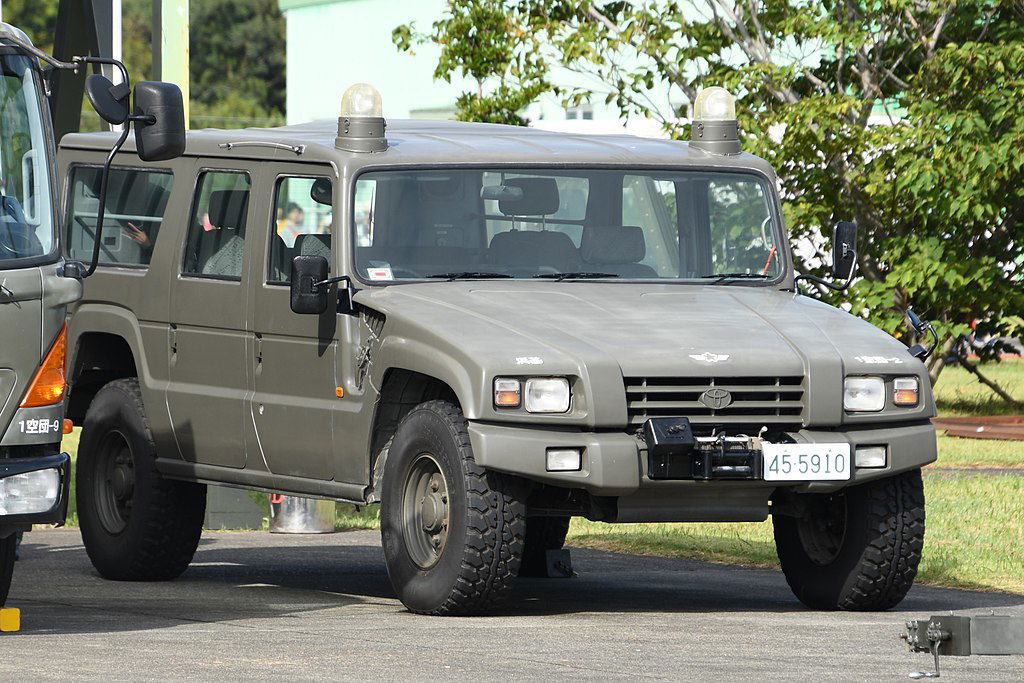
277 607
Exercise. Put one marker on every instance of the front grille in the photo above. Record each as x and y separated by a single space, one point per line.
756 401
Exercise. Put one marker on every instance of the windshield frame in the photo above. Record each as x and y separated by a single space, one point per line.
775 208
56 243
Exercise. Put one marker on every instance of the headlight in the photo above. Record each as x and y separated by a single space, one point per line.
29 493
905 391
864 394
547 395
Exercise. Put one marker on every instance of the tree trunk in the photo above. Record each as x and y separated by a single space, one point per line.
973 369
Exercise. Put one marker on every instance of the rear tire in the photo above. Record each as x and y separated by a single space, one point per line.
452 532
542 534
136 525
857 549
7 551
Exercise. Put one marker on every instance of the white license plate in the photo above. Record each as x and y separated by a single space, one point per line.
806 461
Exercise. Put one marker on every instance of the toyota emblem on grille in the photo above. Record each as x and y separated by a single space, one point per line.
715 398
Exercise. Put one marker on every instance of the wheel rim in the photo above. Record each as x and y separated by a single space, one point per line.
115 485
425 511
823 529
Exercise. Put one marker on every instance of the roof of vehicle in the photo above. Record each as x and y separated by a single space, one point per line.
421 142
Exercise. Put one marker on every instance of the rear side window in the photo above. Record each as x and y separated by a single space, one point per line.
216 234
301 224
136 203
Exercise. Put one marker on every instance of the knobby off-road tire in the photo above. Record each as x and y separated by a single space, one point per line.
7 549
857 549
136 525
452 532
542 534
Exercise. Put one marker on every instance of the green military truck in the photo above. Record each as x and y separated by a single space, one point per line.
488 330
37 283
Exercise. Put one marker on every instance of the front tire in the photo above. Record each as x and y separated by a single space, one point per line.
452 532
136 525
8 547
857 549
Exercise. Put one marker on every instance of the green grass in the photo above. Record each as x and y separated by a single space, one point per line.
972 453
958 392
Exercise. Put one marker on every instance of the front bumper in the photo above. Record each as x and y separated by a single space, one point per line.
615 463
58 512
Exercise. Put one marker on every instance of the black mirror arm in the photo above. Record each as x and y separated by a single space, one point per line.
345 303
834 287
921 326
105 175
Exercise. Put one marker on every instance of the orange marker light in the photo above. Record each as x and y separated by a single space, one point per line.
50 381
507 393
68 426
905 391
339 392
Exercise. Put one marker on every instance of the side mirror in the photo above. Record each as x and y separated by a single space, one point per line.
159 121
110 101
306 296
844 250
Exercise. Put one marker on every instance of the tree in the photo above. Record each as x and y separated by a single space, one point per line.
937 189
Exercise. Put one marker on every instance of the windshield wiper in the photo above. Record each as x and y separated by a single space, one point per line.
722 277
582 275
466 275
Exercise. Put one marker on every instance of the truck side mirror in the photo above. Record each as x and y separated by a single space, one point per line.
159 118
308 295
110 101
844 250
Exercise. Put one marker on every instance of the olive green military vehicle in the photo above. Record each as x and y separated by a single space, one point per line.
488 330
37 282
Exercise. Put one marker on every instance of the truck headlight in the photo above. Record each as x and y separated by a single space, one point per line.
29 493
864 394
547 395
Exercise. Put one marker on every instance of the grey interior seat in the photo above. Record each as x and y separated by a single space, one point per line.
534 248
616 249
221 251
313 244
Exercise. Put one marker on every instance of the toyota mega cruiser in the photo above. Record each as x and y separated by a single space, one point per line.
37 284
488 330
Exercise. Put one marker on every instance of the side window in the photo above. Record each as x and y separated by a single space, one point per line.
136 203
216 232
301 225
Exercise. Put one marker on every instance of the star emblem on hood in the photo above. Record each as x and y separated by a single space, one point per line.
708 357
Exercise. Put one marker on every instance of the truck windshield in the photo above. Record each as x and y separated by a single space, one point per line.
564 224
26 216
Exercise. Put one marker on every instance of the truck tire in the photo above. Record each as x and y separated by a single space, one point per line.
542 534
7 548
452 532
857 549
136 525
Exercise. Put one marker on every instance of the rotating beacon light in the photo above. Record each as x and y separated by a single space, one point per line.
714 126
361 122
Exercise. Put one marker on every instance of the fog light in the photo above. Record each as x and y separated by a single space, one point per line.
29 493
870 456
564 459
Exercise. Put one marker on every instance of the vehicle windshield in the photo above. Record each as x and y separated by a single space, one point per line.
26 216
718 227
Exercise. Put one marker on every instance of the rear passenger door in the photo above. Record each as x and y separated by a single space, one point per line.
209 373
294 355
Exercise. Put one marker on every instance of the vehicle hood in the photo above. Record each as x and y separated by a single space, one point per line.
644 330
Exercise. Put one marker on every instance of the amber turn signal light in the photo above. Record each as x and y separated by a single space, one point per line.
68 426
507 393
905 391
50 381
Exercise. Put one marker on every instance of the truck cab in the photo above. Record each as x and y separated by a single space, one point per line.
487 330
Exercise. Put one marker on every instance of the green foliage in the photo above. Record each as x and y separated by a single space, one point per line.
237 56
901 115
